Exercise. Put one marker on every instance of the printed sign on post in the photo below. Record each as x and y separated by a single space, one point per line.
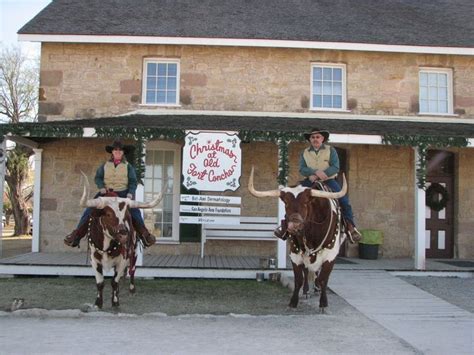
212 161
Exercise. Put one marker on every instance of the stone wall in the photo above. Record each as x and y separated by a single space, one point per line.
96 80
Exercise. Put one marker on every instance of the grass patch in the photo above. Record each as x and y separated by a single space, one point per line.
170 296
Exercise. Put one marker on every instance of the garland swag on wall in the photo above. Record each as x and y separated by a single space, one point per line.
423 143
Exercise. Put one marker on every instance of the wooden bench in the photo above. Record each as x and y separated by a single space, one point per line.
250 228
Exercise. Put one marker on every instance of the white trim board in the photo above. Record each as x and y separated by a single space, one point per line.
245 43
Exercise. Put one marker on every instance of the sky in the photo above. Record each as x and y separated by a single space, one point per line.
13 15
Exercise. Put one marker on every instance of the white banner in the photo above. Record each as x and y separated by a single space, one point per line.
212 161
228 200
209 209
208 220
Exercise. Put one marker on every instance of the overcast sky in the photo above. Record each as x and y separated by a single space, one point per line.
13 15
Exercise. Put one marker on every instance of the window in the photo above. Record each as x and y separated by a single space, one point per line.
161 82
328 87
436 91
162 164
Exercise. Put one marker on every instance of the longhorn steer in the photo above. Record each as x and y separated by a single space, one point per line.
315 233
112 239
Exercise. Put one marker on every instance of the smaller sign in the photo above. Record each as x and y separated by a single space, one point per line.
208 220
209 209
229 200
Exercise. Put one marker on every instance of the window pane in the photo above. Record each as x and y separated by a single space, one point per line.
442 94
317 74
327 74
337 101
150 97
151 69
148 184
327 88
337 88
172 69
161 97
423 105
424 79
317 101
171 97
327 101
442 80
443 107
162 69
432 79
169 157
151 82
162 83
337 74
318 87
158 171
433 93
171 83
432 106
424 93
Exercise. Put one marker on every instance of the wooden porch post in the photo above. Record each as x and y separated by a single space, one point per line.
281 246
3 152
37 201
420 221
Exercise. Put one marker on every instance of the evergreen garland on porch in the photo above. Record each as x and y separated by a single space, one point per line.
423 143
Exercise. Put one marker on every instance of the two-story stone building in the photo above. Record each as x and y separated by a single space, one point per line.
362 69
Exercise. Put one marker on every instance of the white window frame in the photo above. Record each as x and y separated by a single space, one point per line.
449 78
344 86
176 148
145 74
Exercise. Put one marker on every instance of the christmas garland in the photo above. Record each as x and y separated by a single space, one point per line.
432 197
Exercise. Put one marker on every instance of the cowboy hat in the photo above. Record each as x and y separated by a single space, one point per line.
118 144
324 133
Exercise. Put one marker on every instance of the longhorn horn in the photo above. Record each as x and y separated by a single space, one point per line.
331 195
94 203
151 204
270 193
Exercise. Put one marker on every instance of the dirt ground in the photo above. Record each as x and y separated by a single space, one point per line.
169 296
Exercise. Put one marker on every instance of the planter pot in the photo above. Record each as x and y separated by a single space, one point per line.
368 251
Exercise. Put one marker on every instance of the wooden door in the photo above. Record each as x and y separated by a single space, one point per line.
439 224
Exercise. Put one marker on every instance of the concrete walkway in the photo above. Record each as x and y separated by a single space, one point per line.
426 322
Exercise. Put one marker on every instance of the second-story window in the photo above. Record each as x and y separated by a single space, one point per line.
161 82
436 91
328 87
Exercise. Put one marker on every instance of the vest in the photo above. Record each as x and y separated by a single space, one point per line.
318 160
116 177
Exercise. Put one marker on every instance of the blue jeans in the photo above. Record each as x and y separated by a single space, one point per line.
135 212
343 201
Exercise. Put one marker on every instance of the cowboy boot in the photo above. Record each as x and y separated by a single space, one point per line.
73 239
354 234
145 236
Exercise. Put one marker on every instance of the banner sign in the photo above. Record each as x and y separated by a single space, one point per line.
212 161
209 209
228 200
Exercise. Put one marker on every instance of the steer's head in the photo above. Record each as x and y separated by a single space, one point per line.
302 204
114 212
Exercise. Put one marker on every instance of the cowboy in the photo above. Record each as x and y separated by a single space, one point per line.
118 177
320 162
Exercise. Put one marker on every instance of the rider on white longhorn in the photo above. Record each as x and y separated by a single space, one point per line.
119 177
320 162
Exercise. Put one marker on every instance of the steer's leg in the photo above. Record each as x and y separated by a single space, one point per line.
322 280
305 282
115 288
298 274
99 280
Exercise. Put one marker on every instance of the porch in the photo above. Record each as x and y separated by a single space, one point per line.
229 267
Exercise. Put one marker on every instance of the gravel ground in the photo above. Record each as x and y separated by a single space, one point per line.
455 290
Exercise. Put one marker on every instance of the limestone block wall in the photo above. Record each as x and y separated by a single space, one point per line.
97 80
464 208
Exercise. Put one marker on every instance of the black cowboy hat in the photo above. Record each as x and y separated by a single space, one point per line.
118 144
322 132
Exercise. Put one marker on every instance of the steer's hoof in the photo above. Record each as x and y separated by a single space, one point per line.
115 304
324 310
132 290
98 303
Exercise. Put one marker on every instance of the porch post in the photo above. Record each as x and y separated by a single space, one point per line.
37 200
420 220
140 196
3 152
281 246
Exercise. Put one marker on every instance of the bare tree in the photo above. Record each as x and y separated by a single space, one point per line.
18 97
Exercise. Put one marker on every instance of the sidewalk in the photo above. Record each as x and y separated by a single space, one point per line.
426 322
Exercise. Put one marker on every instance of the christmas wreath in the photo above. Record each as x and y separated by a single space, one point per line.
432 199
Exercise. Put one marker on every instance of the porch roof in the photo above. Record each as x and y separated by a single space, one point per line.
244 122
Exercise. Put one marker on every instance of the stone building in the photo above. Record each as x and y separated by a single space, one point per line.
386 79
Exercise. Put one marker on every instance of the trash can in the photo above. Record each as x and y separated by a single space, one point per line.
369 244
